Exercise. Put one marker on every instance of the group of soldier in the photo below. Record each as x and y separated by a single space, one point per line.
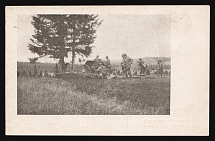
104 67
126 66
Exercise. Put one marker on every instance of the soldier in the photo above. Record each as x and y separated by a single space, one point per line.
142 66
108 65
96 63
160 68
96 60
101 70
126 65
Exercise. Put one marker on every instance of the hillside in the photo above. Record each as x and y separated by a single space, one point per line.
148 60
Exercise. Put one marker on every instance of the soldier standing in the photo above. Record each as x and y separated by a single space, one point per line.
126 65
160 68
108 65
96 62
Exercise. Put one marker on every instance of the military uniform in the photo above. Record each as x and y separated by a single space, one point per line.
126 66
96 63
160 68
101 70
142 66
108 66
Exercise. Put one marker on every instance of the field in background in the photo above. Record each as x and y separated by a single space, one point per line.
72 96
50 67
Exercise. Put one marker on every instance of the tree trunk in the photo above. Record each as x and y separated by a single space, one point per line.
73 59
62 63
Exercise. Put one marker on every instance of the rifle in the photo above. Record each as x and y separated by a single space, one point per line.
127 67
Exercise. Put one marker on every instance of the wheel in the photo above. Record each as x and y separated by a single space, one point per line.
84 69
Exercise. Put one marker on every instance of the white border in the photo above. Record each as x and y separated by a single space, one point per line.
189 78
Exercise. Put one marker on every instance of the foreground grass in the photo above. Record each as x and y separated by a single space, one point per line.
74 96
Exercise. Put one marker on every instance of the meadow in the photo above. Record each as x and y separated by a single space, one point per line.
71 95
49 67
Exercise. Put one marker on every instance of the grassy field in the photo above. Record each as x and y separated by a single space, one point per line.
68 95
49 67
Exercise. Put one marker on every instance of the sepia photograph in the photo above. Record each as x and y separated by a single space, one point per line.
93 64
107 70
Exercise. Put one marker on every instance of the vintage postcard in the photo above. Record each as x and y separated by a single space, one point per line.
107 70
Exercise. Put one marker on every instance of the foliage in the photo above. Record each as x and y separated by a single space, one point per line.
56 35
33 60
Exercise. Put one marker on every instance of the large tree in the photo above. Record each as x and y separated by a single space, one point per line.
56 35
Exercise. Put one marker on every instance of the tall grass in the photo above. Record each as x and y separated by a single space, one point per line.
72 95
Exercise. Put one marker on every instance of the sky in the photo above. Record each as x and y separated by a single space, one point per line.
138 36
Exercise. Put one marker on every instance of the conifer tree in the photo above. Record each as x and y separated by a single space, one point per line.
56 35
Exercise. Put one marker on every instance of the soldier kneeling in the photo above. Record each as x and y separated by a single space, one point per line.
101 71
143 66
